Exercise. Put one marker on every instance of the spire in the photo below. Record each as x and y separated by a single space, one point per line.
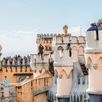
65 29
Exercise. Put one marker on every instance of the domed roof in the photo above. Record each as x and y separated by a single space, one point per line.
93 27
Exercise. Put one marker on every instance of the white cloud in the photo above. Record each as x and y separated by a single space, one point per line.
77 30
18 42
24 42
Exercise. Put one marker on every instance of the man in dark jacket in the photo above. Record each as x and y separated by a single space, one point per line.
41 48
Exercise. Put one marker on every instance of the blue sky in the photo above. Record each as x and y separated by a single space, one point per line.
21 19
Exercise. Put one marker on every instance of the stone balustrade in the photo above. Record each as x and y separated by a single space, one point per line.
16 61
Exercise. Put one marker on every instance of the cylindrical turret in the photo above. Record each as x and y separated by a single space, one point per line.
93 56
93 39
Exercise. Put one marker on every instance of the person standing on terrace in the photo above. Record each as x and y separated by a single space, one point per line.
40 48
6 82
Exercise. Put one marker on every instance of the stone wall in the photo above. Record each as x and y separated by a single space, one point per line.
34 90
8 94
15 75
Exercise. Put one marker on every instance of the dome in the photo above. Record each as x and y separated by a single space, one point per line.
93 27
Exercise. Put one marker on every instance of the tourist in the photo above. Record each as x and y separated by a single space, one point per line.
41 48
6 82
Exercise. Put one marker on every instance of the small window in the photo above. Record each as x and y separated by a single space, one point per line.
62 40
70 52
97 35
68 46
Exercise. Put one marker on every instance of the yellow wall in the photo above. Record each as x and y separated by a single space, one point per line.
40 98
45 43
12 76
34 90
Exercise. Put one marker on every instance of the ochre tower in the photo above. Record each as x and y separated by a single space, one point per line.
46 41
94 61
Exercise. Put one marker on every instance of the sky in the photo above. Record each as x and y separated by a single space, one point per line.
21 20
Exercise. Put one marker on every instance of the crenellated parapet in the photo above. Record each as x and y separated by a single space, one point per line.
38 62
16 68
46 41
67 49
61 38
44 37
16 61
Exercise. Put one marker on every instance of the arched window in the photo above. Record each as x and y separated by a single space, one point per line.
70 50
60 49
81 51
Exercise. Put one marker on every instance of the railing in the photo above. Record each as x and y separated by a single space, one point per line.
42 90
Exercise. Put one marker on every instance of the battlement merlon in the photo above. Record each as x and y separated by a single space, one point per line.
15 61
44 37
61 38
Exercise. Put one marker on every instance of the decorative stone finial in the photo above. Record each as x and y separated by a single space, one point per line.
0 47
65 28
100 21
